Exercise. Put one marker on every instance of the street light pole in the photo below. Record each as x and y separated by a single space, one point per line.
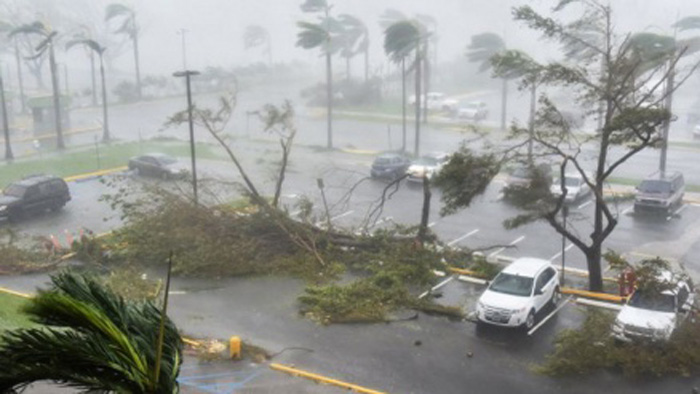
187 74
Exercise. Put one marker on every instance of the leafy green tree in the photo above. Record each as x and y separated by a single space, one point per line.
256 36
628 124
482 48
324 35
96 48
46 45
126 17
93 340
401 39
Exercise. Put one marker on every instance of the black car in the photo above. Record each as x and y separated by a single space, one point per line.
36 193
390 165
157 165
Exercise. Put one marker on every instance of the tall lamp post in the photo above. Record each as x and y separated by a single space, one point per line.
188 74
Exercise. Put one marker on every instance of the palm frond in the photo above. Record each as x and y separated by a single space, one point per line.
400 39
115 10
483 47
688 23
92 44
32 28
314 6
311 35
391 16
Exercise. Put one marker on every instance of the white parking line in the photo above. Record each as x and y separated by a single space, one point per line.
585 204
431 224
437 286
566 249
499 250
535 328
322 222
626 211
380 221
465 236
292 196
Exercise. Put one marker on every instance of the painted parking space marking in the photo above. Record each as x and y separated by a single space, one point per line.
463 237
437 286
585 204
431 224
557 309
677 212
499 250
219 383
322 222
566 249
627 210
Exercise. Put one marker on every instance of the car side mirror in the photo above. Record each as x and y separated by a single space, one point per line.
538 292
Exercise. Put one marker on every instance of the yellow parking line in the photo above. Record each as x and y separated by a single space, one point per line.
323 379
95 173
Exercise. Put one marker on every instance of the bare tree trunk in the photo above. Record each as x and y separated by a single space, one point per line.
504 104
56 99
138 67
329 99
22 97
425 213
670 81
94 79
426 83
5 123
366 65
416 149
403 103
105 119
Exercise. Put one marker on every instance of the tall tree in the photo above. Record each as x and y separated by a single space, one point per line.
96 48
356 40
482 48
257 36
126 18
47 45
628 124
401 39
323 35
429 25
92 339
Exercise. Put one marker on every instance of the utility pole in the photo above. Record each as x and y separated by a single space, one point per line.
188 74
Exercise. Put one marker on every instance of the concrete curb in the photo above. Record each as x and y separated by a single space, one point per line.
359 151
322 379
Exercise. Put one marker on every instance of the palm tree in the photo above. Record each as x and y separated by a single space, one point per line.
401 39
96 48
482 48
46 44
256 36
430 26
325 36
5 122
356 39
91 339
130 29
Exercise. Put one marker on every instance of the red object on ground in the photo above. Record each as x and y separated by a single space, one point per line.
627 281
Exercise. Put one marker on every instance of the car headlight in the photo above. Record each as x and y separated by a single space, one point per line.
519 311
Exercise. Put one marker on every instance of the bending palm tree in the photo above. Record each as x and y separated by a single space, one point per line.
401 39
129 28
322 35
47 45
99 50
356 38
256 36
93 340
482 48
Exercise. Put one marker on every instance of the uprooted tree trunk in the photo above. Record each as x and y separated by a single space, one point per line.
425 213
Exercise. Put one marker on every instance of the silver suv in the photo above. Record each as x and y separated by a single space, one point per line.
660 192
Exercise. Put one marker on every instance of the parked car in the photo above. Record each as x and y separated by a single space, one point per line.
660 193
696 132
518 293
436 102
389 165
427 166
157 165
474 111
33 194
575 186
655 316
522 175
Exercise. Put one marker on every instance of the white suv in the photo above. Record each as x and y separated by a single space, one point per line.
655 316
517 293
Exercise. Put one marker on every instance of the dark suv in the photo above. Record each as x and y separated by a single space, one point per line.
390 165
36 193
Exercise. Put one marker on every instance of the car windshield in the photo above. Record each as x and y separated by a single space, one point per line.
165 160
15 191
512 284
655 186
426 161
654 302
383 160
575 182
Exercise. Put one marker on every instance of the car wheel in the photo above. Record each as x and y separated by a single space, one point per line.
55 207
556 297
530 320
